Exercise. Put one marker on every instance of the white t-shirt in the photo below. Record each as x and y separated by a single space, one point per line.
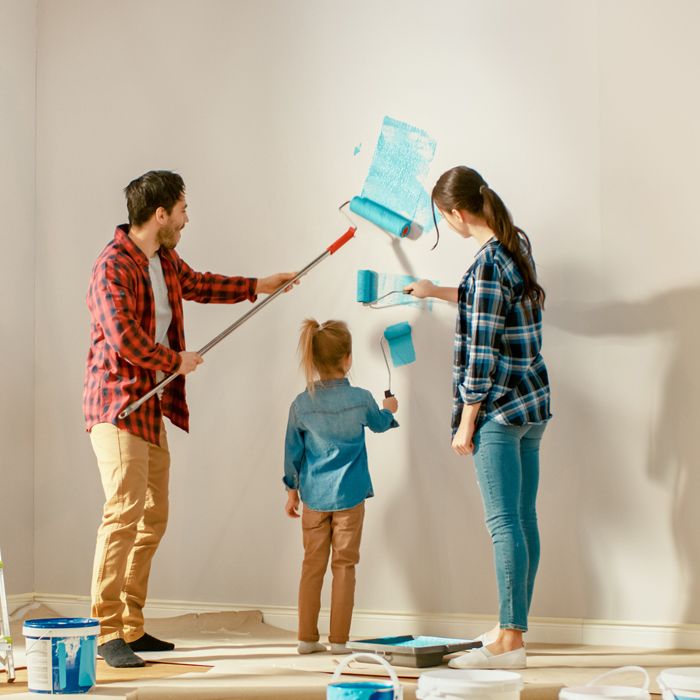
164 314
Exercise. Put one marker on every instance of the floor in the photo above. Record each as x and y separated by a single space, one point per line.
236 655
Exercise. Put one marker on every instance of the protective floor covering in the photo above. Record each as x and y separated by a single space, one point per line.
238 656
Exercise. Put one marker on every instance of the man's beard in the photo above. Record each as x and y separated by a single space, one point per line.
168 236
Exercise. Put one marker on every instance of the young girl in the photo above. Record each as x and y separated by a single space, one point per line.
325 466
501 395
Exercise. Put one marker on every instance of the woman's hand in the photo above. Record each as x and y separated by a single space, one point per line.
462 442
291 508
421 289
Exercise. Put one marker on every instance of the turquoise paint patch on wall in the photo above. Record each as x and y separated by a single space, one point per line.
399 167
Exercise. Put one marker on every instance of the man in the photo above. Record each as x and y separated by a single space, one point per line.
137 337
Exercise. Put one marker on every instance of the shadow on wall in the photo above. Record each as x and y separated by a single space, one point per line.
673 458
436 543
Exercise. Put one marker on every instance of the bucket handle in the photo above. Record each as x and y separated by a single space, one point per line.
342 666
622 669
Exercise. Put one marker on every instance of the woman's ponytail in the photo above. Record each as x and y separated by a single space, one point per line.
499 220
463 188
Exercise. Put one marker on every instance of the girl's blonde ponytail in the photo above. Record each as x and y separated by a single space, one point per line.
323 349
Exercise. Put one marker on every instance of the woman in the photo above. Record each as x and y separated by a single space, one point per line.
501 395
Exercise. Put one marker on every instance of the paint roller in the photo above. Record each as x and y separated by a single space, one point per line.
380 216
367 288
400 342
334 247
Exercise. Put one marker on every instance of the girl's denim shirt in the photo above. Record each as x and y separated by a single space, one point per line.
325 454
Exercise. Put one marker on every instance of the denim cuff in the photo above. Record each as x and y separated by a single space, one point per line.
292 484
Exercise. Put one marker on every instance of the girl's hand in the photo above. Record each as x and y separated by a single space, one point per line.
462 442
292 506
391 404
420 289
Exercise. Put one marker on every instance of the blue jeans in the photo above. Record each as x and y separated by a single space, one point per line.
507 461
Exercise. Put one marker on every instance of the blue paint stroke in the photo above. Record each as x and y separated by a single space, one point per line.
400 343
399 167
358 148
371 285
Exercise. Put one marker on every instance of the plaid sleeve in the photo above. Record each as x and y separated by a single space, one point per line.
487 307
115 302
206 287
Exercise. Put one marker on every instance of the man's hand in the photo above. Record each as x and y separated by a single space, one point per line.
189 362
267 285
291 508
391 404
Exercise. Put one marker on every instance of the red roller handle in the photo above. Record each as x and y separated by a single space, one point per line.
342 240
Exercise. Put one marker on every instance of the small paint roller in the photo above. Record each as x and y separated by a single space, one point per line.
335 246
400 342
367 286
380 216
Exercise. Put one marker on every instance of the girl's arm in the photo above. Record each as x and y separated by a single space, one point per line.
293 451
423 289
380 420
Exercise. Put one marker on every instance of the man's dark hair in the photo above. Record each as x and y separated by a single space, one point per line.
157 188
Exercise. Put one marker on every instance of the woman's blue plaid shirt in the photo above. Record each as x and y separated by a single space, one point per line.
498 338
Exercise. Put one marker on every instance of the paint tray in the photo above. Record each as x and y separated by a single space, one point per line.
416 652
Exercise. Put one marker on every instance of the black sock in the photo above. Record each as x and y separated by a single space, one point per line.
149 643
117 654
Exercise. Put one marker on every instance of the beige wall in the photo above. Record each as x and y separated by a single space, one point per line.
580 114
17 126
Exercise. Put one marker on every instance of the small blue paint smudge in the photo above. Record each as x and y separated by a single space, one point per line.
358 148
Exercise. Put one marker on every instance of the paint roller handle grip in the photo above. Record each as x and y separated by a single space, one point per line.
342 240
387 393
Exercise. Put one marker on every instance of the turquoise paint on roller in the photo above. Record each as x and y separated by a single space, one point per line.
384 218
366 286
400 343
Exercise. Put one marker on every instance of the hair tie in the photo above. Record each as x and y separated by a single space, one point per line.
482 188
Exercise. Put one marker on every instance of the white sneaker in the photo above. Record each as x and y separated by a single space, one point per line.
483 658
310 647
340 649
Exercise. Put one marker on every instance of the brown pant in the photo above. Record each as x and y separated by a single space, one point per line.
340 531
134 476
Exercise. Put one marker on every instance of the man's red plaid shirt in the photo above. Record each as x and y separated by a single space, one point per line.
123 356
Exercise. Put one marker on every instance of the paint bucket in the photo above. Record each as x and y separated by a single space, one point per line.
679 683
592 691
469 684
61 654
364 690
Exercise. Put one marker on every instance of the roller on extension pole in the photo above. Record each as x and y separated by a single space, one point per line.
336 245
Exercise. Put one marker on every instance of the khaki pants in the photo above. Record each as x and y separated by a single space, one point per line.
340 531
134 477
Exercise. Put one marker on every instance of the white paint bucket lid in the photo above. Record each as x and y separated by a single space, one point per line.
687 678
467 680
613 692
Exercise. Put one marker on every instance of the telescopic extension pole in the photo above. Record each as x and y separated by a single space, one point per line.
215 341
